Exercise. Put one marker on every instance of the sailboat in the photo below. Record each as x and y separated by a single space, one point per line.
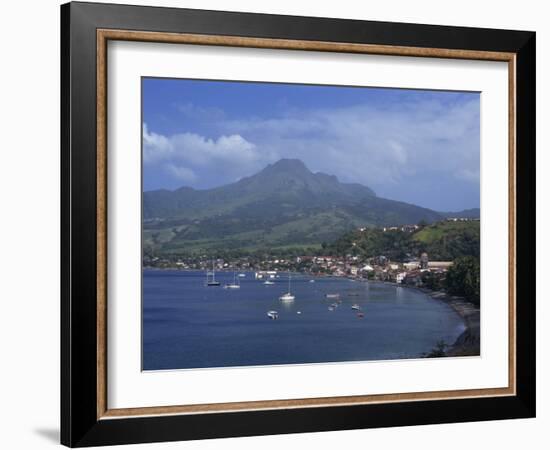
288 297
211 281
233 285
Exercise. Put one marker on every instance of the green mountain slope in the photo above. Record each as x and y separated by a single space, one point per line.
449 240
283 205
473 213
445 240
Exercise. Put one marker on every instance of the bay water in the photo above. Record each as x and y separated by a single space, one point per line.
189 325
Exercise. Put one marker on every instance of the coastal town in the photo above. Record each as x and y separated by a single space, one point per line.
417 270
377 268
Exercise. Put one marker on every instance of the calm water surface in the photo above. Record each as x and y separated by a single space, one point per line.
189 325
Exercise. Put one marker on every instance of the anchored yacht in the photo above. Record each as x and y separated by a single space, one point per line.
235 284
211 277
288 297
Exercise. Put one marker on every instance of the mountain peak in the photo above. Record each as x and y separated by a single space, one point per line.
288 165
291 177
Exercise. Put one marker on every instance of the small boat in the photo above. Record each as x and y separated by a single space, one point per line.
233 285
356 307
242 275
312 281
273 315
334 305
298 312
268 282
331 308
288 297
332 295
211 277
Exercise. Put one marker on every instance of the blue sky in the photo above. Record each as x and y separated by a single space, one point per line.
416 146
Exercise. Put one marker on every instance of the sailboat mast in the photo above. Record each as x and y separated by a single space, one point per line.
289 281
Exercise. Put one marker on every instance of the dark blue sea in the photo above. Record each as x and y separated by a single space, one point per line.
188 325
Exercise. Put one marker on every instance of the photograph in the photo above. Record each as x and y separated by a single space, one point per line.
288 224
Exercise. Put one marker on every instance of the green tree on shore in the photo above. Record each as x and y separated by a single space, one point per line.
463 278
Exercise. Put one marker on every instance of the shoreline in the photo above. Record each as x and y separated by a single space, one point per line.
468 342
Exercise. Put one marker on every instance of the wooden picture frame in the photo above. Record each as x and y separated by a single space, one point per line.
86 418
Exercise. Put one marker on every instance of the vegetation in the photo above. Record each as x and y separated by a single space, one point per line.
463 278
444 240
253 255
434 281
438 351
448 240
473 213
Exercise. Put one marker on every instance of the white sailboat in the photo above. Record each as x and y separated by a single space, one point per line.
235 284
288 297
211 277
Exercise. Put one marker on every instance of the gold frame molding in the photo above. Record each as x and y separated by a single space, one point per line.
105 35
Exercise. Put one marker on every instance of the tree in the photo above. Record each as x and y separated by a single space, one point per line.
438 351
463 278
433 281
423 223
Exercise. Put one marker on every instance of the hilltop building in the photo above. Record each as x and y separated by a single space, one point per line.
443 265
424 261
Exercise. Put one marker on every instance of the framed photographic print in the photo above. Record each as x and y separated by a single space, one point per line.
277 224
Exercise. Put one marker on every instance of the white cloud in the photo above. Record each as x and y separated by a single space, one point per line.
203 151
155 146
399 152
183 155
181 173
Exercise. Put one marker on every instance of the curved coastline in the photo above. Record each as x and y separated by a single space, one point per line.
468 343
